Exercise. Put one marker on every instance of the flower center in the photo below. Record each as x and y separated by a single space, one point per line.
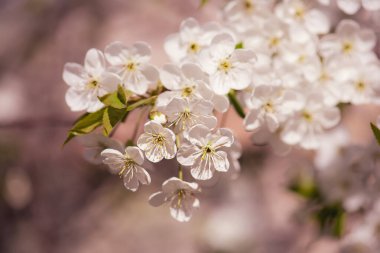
186 92
225 65
92 84
206 150
158 139
347 47
248 5
307 116
130 66
324 77
274 41
268 107
128 163
194 47
299 12
360 86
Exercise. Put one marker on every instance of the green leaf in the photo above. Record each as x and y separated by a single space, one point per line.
239 45
376 132
117 99
235 103
111 117
331 219
85 124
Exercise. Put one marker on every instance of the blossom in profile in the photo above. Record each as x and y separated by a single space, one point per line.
181 196
88 82
157 142
128 166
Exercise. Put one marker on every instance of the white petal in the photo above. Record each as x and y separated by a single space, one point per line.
76 100
330 117
220 161
157 199
130 181
371 5
367 40
317 22
197 133
349 6
142 175
150 72
251 120
187 154
170 77
74 74
116 53
220 102
193 72
94 62
109 81
135 154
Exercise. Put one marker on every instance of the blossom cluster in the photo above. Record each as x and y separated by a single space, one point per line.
277 65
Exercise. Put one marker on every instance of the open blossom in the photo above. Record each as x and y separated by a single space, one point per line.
190 40
302 12
132 65
157 142
188 81
269 106
352 6
349 41
312 118
203 151
183 113
88 82
229 68
180 194
128 166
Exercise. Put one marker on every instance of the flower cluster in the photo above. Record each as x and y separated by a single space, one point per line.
277 65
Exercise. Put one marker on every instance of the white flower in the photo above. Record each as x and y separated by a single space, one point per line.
349 41
229 68
190 40
269 106
188 81
157 142
180 194
203 151
309 122
301 12
352 6
132 65
183 113
127 165
88 82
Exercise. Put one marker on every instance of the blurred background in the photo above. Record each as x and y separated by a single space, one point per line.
52 200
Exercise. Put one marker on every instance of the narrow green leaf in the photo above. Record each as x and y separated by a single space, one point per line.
111 117
376 132
86 123
123 95
239 45
235 103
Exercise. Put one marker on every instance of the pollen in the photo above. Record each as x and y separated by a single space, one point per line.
206 150
248 5
128 163
131 66
268 107
92 84
307 116
158 139
186 92
274 41
299 13
194 47
347 47
360 86
225 65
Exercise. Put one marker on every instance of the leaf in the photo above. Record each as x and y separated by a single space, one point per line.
85 124
117 99
331 219
376 132
111 117
239 45
235 103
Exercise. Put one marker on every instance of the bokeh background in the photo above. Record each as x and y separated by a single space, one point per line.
52 200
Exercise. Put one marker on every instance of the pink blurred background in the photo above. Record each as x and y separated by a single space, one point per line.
53 201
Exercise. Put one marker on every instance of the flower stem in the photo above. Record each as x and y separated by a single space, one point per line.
235 103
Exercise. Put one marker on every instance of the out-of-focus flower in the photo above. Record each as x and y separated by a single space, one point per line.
128 166
352 6
203 151
157 142
88 82
180 194
132 65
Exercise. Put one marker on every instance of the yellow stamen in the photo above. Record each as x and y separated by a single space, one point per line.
225 65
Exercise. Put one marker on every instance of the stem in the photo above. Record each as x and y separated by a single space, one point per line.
235 103
142 102
180 172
